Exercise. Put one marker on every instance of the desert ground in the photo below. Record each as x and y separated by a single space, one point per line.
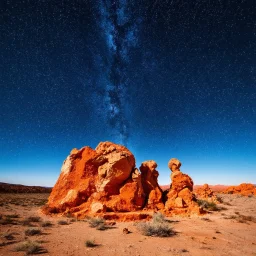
228 231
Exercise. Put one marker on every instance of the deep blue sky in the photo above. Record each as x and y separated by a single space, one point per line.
166 78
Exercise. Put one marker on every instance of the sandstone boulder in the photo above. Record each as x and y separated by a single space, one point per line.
100 180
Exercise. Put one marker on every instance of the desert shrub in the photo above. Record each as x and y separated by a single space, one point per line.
26 222
6 221
8 236
211 206
34 219
241 218
101 226
158 218
29 247
96 222
32 231
90 243
219 198
245 218
155 229
46 224
12 216
62 222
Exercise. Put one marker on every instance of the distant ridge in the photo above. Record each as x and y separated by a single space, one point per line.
17 188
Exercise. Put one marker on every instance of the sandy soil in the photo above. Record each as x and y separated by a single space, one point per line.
226 232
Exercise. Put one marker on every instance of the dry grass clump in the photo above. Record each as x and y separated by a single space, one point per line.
32 231
158 218
158 226
210 206
46 224
90 243
8 236
29 247
12 216
34 219
6 220
98 223
241 218
62 222
27 221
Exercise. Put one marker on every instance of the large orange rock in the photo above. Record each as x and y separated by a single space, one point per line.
149 176
100 180
245 189
180 197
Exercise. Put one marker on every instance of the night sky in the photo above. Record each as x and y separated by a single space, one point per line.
166 78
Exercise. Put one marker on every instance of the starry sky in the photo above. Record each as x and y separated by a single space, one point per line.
166 78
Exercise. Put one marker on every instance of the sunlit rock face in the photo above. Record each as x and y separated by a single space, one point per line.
100 180
105 180
180 198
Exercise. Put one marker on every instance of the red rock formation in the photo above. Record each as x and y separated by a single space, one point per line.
93 181
149 176
180 197
105 182
206 193
245 189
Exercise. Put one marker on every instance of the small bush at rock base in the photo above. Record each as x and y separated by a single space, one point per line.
155 229
158 218
96 223
211 206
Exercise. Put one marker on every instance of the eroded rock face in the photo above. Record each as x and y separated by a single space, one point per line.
245 189
100 180
154 193
180 197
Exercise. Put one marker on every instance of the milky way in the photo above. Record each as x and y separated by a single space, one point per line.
120 32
